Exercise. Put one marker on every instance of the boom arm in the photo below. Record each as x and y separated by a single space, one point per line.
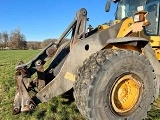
23 101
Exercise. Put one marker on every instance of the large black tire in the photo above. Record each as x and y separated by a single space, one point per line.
96 79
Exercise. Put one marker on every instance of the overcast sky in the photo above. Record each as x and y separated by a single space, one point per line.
42 19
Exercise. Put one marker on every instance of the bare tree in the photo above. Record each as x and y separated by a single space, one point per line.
1 38
1 41
5 38
17 40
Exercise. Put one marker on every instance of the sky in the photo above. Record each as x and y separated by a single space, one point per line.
42 19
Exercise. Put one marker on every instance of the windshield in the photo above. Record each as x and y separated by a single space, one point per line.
152 7
127 8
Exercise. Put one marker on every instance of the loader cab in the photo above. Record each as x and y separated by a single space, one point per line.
127 8
153 9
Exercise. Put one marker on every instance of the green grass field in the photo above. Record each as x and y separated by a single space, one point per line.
55 109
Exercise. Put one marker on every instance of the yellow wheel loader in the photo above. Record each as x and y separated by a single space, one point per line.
114 68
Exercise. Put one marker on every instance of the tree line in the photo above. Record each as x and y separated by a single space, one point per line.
17 40
13 40
39 45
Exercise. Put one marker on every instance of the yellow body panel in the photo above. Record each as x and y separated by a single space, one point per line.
102 27
155 43
126 30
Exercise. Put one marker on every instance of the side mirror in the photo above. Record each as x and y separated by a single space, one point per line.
108 5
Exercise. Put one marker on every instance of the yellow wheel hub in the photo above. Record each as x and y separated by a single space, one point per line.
126 93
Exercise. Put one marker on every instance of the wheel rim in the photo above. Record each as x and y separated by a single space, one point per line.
126 93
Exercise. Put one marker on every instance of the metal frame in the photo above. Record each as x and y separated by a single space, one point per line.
24 71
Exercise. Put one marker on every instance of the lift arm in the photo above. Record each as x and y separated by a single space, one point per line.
23 101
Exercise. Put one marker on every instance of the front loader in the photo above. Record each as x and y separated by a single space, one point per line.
112 68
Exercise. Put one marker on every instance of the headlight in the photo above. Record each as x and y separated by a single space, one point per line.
140 16
136 18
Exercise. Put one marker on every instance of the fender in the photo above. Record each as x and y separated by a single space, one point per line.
135 41
148 51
